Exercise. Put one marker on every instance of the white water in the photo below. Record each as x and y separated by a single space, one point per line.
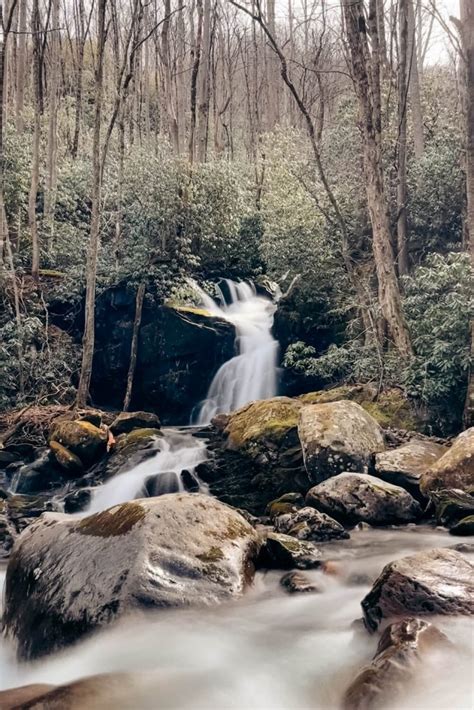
176 452
252 373
268 651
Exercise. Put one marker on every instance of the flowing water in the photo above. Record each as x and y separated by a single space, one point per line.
252 373
268 651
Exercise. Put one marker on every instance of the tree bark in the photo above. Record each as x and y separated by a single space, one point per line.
402 229
51 169
91 274
134 345
20 66
414 83
366 75
33 193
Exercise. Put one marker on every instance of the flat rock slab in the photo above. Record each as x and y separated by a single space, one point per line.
67 577
405 465
353 498
438 581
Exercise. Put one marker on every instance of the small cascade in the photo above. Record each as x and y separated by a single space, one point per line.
178 453
252 373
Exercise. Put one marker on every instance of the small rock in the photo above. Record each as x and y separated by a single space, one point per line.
310 524
76 501
400 651
287 503
66 459
126 422
351 498
296 582
466 547
464 526
284 552
438 581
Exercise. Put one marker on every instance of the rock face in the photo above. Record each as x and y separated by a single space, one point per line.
260 457
436 581
455 469
337 436
399 652
310 524
179 351
353 498
68 577
405 465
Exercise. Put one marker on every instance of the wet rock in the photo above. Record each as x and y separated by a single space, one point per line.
66 459
189 481
453 470
351 498
310 524
83 439
399 653
40 475
438 581
22 697
7 457
126 422
287 503
77 501
405 465
162 483
464 526
451 506
129 451
297 583
466 547
7 532
263 424
337 436
171 551
285 552
22 509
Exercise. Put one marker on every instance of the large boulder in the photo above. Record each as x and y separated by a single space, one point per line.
126 422
260 457
438 581
337 436
455 469
353 498
67 577
83 439
405 465
179 352
399 654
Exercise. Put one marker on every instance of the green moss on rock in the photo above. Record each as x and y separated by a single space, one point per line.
112 522
269 420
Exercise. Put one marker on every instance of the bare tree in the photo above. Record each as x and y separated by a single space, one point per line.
402 229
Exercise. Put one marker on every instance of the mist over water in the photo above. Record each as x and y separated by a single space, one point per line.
252 373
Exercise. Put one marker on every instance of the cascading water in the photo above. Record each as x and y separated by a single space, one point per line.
175 452
252 373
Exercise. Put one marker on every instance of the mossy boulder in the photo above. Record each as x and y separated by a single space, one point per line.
267 422
65 458
83 439
281 551
405 465
337 436
452 505
172 551
453 470
353 498
126 422
438 581
464 527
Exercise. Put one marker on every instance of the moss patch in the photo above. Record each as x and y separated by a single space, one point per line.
111 523
192 310
137 436
268 419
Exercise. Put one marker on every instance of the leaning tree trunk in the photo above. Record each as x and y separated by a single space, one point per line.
402 229
366 73
91 274
33 194
134 345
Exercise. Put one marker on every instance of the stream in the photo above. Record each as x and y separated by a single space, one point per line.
270 650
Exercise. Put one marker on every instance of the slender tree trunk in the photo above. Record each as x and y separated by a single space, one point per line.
33 194
134 345
364 74
467 37
203 86
51 169
413 79
81 41
402 229
194 76
91 274
172 120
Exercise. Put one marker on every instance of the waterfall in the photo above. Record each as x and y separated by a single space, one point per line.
252 373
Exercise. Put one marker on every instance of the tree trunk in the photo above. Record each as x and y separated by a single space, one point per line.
194 76
91 274
414 83
402 237
203 86
366 73
33 194
467 37
134 345
20 66
51 170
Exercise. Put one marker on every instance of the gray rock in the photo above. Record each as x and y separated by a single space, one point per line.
297 583
405 465
126 422
453 470
285 552
310 524
67 577
337 436
438 581
352 498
